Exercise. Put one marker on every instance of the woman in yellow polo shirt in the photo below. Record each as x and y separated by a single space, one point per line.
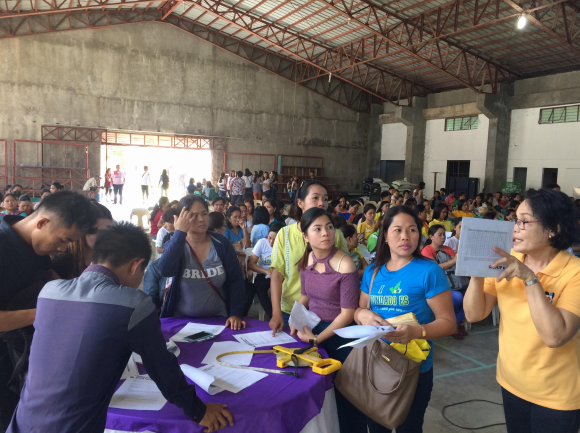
462 210
539 298
440 217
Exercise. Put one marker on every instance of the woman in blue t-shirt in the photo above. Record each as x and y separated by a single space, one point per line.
236 230
407 282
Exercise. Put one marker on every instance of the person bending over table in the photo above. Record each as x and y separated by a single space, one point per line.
330 288
423 289
79 254
288 249
71 378
538 294
194 253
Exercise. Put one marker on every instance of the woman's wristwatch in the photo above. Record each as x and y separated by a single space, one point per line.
531 283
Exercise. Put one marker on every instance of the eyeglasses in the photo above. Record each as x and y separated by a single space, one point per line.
522 223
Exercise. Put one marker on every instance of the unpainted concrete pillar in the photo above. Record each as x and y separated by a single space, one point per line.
374 141
496 108
416 124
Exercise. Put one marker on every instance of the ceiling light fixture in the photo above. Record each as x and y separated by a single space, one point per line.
522 21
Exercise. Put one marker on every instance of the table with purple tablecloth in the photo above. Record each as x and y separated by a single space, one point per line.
278 403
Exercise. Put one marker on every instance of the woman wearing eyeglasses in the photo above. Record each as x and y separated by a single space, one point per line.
538 294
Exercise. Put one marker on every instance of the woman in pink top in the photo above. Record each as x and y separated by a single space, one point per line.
330 287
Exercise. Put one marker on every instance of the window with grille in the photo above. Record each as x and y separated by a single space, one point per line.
461 123
559 114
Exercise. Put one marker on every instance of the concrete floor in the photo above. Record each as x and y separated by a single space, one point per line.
463 370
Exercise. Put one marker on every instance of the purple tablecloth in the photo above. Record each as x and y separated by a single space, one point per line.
278 403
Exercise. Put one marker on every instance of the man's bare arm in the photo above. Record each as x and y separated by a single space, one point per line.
10 320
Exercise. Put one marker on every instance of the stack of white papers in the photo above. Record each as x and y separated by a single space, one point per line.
301 317
365 334
475 254
264 338
138 393
229 346
194 328
214 379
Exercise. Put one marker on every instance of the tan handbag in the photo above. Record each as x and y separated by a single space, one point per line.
379 381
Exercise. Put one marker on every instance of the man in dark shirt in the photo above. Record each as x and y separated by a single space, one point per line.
26 243
86 330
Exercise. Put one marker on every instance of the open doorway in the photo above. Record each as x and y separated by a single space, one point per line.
181 165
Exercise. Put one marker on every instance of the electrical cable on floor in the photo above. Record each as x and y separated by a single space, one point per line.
469 428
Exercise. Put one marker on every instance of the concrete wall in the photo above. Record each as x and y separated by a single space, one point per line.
441 146
538 146
153 77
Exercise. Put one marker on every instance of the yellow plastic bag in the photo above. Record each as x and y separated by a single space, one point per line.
417 350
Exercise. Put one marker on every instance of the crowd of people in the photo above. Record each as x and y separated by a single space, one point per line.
74 273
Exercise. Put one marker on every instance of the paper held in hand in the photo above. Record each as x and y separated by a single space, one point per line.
365 334
300 317
215 378
475 253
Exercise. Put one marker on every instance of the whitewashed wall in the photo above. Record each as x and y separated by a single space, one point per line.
538 146
393 142
441 146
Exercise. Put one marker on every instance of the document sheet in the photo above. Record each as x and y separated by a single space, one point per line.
365 334
220 347
300 317
138 393
193 328
130 369
475 253
264 338
214 379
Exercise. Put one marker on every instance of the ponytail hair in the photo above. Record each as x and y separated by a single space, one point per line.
158 206
432 230
306 221
222 175
383 250
303 193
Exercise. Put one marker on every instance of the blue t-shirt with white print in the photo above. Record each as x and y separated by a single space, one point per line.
406 291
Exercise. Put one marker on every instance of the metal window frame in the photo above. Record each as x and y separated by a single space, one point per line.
550 120
461 125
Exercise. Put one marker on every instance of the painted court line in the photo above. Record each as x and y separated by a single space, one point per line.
481 364
468 370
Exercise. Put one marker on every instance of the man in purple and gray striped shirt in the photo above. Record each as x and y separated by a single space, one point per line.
85 332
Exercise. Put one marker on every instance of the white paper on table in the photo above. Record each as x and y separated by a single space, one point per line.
475 254
193 328
237 377
220 347
206 381
138 393
300 317
130 369
171 347
365 334
264 338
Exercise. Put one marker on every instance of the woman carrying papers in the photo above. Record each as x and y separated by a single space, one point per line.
207 280
406 282
330 288
538 293
288 249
